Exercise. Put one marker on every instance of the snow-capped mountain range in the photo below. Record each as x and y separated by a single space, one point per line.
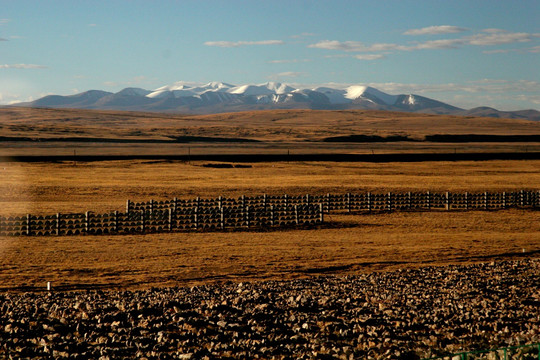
216 97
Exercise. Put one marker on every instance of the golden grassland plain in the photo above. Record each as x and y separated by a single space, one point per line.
275 132
345 244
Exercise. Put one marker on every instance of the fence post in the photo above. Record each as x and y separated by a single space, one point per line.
116 221
328 202
197 216
369 201
142 221
220 202
286 200
521 198
222 217
271 215
348 202
264 202
321 213
57 223
504 200
485 200
428 199
151 206
409 201
87 221
466 200
307 199
247 217
389 201
170 219
447 199
28 228
128 206
296 214
175 204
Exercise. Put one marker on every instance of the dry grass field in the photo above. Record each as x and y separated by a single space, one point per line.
346 244
272 125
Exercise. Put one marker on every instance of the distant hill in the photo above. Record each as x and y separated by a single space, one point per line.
218 97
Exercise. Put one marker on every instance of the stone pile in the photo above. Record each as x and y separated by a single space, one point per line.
405 314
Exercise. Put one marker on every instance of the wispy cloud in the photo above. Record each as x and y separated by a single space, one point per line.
369 56
491 86
4 21
22 66
2 39
533 49
243 43
488 37
355 46
436 30
499 38
289 74
289 61
437 44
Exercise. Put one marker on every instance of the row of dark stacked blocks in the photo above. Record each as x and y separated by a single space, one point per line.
245 212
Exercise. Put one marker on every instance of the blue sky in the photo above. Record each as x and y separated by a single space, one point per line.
467 53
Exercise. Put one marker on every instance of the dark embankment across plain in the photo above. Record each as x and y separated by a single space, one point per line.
242 158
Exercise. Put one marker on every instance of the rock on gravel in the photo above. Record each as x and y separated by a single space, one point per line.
404 314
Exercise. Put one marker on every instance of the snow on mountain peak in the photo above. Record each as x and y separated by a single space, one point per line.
275 90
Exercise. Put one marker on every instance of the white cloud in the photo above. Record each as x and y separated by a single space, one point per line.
489 37
499 38
355 46
494 30
499 51
535 99
4 21
13 98
492 86
243 43
290 61
22 66
289 74
436 30
438 44
369 56
302 35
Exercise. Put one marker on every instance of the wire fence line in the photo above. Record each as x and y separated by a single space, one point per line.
262 211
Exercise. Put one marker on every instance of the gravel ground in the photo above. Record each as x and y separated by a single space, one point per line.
404 314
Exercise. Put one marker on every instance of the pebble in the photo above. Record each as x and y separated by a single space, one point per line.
406 314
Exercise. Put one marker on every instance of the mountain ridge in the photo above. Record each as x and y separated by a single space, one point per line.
218 97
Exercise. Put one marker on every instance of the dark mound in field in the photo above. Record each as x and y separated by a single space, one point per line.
396 315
